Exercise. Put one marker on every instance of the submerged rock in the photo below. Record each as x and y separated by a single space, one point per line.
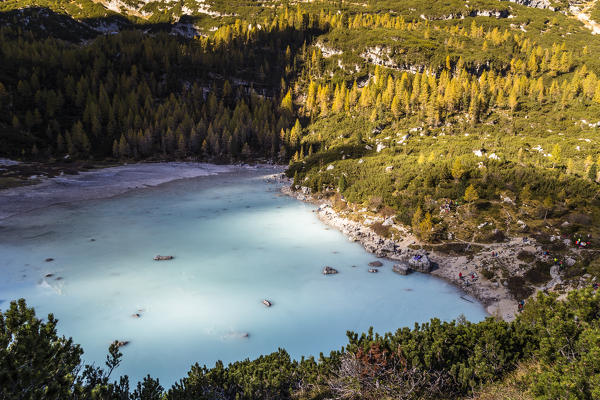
329 271
162 258
236 335
375 264
49 259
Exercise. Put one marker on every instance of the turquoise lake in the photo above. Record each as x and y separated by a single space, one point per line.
236 240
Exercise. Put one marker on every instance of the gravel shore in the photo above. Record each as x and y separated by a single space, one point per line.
495 298
100 183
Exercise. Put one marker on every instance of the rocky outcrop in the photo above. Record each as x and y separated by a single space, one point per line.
534 3
420 262
472 13
384 56
402 269
328 51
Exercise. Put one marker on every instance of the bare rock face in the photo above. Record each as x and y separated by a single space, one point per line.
327 270
402 269
533 3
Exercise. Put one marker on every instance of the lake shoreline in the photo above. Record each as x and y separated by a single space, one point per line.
102 183
236 241
116 180
496 299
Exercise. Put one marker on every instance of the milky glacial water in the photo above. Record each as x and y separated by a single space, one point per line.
236 241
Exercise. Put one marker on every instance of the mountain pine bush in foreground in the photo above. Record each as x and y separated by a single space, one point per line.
552 350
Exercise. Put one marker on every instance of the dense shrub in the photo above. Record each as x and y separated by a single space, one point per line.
433 360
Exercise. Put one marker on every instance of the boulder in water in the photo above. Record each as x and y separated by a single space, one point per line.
267 303
329 271
373 270
420 262
402 269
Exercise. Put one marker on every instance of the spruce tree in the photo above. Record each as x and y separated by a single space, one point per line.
342 184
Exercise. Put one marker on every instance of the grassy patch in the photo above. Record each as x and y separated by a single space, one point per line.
526 256
380 229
